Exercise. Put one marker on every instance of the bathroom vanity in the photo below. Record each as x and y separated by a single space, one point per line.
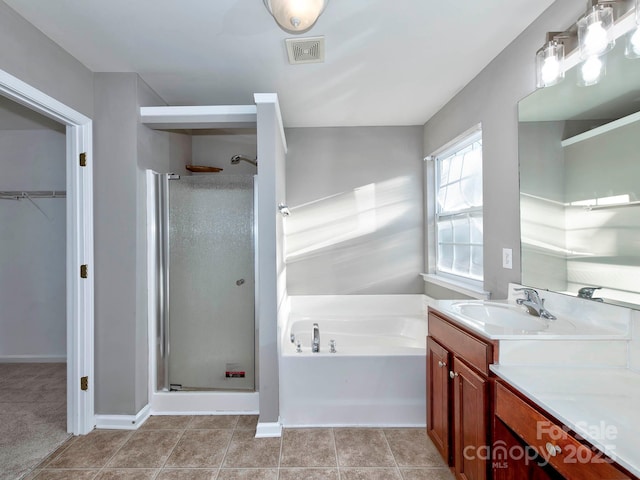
458 405
552 402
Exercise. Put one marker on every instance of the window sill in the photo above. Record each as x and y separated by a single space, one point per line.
457 286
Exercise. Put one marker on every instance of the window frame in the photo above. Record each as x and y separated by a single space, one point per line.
458 144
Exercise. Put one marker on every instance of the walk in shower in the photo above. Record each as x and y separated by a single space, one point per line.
202 271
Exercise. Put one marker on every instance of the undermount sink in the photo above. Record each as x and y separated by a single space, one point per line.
500 315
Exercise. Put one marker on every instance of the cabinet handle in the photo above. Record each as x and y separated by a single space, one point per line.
552 449
452 374
441 364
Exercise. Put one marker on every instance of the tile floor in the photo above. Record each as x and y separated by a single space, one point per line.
224 448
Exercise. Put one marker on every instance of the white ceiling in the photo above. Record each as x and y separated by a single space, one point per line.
388 62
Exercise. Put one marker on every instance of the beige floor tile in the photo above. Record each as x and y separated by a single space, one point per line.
200 449
31 475
58 451
411 447
247 422
370 474
248 474
213 422
187 474
308 474
166 422
308 447
426 474
91 450
84 474
146 449
246 451
127 474
362 447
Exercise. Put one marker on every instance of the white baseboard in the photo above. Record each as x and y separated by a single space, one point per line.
269 429
33 359
123 422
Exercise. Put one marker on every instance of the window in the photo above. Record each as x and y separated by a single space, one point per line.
458 208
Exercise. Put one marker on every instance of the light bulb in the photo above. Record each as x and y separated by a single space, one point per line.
549 62
595 41
550 70
594 32
633 44
591 71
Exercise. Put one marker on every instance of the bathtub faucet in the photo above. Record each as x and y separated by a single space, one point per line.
315 339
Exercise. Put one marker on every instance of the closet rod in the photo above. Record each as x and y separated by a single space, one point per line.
18 194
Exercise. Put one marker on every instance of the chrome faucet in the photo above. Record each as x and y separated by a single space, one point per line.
587 292
534 304
315 339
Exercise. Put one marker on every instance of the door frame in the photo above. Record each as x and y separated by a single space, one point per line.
79 246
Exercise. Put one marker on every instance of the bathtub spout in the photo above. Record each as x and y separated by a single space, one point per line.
315 340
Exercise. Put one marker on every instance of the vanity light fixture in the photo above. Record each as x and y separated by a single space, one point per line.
549 62
296 16
632 49
594 31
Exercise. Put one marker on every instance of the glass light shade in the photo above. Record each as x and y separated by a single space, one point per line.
633 43
594 32
632 49
296 16
549 64
591 71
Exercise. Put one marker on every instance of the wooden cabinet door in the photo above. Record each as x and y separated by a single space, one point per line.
471 451
438 397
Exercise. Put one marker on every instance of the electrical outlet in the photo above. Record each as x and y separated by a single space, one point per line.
507 258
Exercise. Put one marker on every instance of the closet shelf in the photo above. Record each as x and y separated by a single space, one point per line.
18 194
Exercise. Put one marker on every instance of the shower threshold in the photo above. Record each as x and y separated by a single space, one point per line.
180 388
196 401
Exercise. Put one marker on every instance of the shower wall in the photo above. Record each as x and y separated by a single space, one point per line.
217 150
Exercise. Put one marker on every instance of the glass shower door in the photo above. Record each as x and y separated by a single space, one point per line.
211 283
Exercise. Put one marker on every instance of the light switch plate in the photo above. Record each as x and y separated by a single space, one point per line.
507 258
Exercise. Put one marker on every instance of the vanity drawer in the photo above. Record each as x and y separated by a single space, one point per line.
474 351
570 458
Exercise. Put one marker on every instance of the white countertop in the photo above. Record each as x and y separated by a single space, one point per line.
600 404
578 327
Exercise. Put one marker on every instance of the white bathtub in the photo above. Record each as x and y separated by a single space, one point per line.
377 375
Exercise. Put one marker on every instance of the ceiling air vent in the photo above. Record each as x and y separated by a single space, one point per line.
305 50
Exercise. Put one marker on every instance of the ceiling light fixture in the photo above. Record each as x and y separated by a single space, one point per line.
296 16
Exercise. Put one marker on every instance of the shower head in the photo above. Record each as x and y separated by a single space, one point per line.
236 160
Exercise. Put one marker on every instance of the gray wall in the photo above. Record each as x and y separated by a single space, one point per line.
32 57
356 199
33 321
122 150
491 99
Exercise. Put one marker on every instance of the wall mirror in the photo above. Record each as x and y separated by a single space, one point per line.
579 153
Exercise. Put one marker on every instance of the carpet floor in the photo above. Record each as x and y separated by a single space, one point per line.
33 415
